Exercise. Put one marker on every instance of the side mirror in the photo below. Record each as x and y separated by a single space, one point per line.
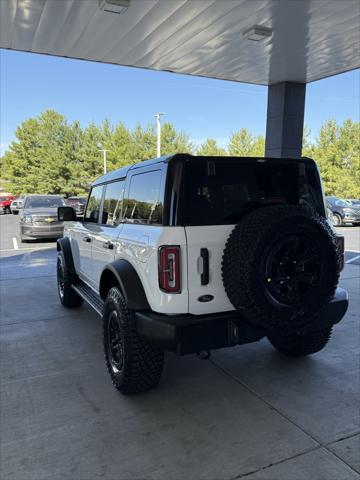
66 214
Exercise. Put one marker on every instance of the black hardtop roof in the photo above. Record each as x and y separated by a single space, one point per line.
122 172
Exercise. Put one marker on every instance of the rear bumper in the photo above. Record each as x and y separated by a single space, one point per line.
184 334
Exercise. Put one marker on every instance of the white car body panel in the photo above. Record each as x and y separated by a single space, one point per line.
213 238
139 244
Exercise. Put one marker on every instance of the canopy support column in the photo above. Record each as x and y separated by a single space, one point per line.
285 120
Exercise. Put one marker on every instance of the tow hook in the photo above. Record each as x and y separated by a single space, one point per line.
204 354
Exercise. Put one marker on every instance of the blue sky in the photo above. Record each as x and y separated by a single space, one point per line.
204 108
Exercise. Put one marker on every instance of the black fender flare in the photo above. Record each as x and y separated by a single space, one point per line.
63 245
129 282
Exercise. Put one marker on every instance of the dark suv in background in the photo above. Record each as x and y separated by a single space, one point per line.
78 204
344 212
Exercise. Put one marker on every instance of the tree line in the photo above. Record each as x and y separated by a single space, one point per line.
51 155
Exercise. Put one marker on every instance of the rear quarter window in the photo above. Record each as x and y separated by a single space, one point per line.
144 203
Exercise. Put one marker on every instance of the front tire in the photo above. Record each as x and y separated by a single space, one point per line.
133 364
337 220
301 345
68 297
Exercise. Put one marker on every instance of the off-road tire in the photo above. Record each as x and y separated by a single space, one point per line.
246 255
337 220
301 345
68 297
142 363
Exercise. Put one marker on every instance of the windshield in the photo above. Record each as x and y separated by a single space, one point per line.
44 202
342 203
223 190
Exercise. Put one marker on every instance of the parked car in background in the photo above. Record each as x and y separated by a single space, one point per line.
38 218
78 204
344 212
16 205
5 202
354 202
330 216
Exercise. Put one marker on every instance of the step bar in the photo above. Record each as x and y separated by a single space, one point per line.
90 297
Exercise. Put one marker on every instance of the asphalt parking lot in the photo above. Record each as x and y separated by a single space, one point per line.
247 412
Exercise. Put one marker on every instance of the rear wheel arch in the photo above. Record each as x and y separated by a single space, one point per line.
122 274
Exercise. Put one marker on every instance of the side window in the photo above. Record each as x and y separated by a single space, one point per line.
113 200
93 207
144 204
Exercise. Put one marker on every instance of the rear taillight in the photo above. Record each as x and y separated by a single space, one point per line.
169 269
341 244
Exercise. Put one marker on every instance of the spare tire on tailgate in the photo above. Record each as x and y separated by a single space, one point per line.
281 266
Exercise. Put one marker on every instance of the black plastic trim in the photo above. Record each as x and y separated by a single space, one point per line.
64 245
129 283
185 334
204 253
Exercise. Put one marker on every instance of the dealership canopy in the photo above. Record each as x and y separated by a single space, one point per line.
280 43
254 41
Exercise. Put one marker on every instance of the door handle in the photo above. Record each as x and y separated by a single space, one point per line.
204 278
86 239
108 245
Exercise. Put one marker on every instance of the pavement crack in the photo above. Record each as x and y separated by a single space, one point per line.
260 397
272 464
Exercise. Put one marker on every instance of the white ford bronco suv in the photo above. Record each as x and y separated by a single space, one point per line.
188 254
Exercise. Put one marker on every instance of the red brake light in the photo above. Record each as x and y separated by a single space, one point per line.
341 244
169 269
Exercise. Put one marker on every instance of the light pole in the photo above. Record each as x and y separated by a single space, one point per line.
104 155
158 124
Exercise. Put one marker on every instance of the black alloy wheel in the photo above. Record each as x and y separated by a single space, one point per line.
115 343
60 279
292 268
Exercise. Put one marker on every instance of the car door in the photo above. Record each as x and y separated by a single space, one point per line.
105 239
85 233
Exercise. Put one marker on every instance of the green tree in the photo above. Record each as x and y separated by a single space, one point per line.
210 147
173 141
244 144
337 152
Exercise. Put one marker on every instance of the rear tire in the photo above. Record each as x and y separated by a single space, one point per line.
301 345
15 212
133 364
337 220
68 297
7 210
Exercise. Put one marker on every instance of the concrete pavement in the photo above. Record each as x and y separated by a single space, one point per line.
247 413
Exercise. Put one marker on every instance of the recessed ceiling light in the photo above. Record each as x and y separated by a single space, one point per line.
257 33
114 6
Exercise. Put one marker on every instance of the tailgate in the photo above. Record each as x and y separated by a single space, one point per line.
213 239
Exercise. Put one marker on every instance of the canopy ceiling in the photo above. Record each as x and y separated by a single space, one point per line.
311 39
